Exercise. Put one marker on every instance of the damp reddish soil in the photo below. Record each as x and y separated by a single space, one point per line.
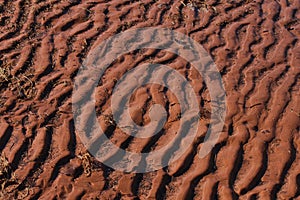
255 46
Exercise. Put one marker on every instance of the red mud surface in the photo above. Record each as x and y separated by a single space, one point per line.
255 45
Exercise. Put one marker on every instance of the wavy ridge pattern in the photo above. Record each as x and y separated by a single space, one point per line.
255 45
